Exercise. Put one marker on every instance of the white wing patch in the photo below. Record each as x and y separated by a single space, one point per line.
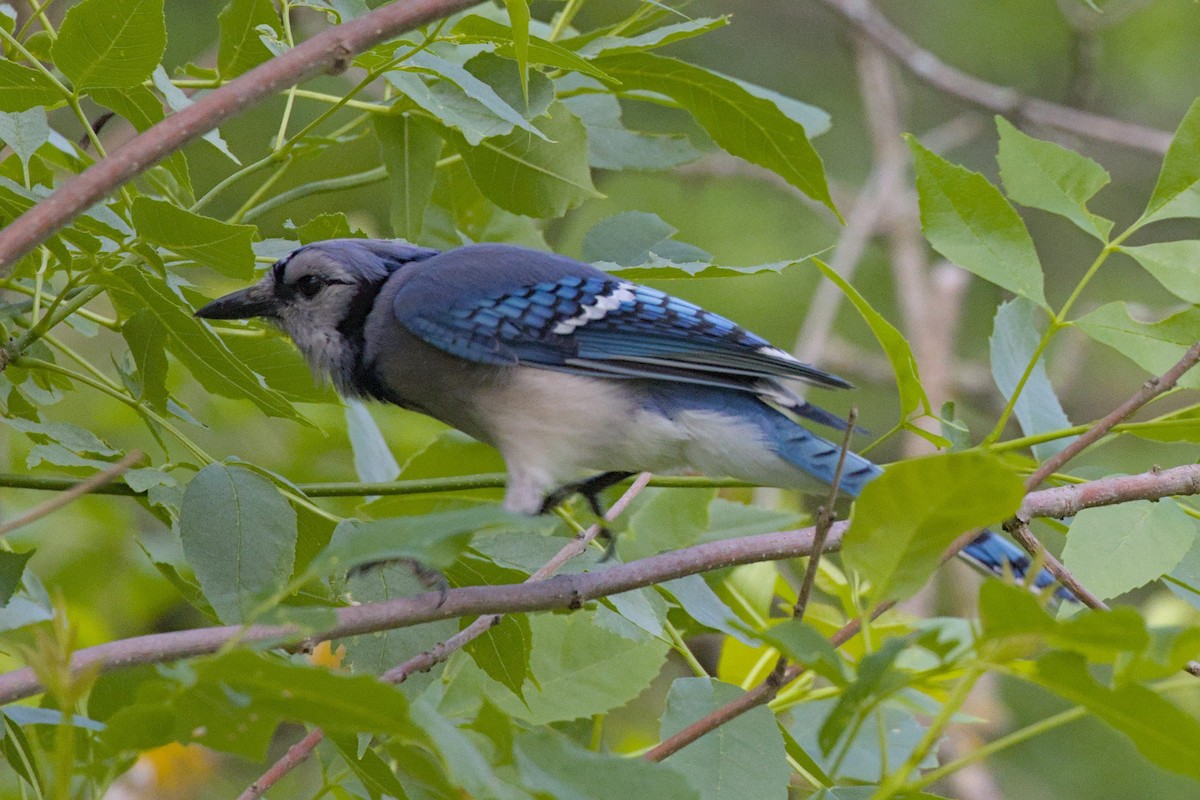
775 352
600 306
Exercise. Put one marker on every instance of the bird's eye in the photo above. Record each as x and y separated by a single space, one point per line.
309 285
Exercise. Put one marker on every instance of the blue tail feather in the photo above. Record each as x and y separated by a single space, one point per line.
818 457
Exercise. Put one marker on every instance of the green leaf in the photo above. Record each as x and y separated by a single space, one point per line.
72 437
12 567
908 516
904 364
634 238
1154 346
1115 549
742 758
611 145
530 175
665 519
434 540
876 679
551 765
194 343
503 652
272 687
224 247
475 28
584 663
693 594
656 37
24 131
375 773
241 47
746 126
1177 192
806 645
143 109
239 536
409 147
327 225
23 88
110 43
1013 342
1176 265
459 99
1048 176
147 340
1160 731
518 15
968 221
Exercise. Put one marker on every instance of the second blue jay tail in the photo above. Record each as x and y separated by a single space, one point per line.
577 377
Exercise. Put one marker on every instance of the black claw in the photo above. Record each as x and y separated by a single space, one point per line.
590 491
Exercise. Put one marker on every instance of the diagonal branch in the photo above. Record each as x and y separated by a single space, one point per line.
868 21
328 51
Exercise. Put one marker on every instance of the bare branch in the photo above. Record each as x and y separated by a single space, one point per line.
868 21
328 51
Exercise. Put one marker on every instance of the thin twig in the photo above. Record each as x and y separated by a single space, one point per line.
330 50
867 20
426 661
76 491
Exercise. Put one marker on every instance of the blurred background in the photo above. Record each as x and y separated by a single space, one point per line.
1133 60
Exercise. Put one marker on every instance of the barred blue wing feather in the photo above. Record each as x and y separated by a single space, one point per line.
604 326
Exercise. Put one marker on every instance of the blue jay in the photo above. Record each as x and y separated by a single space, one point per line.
577 377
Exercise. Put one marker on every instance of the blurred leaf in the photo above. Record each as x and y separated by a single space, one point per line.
373 460
241 48
205 240
1176 265
110 43
656 37
1114 549
877 678
12 568
327 225
895 346
1013 342
742 758
473 28
72 437
1153 346
409 147
535 176
665 519
142 109
239 535
434 540
1177 192
551 765
461 757
746 126
194 344
178 101
1161 732
503 652
700 602
908 516
25 131
23 88
632 238
1048 176
21 756
968 221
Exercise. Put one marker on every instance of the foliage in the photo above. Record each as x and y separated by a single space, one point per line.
494 125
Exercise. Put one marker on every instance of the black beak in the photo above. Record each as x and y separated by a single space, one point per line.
253 301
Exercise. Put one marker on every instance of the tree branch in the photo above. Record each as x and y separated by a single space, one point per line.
868 21
328 51
567 591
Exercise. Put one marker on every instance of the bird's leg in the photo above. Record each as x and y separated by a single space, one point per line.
590 490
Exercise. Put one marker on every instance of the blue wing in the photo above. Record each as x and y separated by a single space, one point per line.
601 325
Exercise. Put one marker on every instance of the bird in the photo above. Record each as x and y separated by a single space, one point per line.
578 377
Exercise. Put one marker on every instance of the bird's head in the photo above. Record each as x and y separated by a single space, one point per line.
321 294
